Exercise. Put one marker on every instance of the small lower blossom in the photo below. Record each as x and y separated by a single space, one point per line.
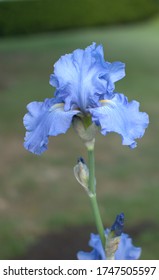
84 86
126 250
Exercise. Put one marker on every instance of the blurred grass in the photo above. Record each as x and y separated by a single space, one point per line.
40 193
28 17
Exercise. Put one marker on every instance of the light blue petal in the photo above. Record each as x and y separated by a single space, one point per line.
115 72
120 116
97 253
45 119
126 250
87 255
83 77
96 244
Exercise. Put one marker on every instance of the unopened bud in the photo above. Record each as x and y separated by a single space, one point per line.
113 237
117 227
81 173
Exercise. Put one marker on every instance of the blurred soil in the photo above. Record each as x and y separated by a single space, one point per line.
66 244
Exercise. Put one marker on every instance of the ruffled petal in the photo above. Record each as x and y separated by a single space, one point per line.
126 250
120 116
97 253
45 119
83 77
115 72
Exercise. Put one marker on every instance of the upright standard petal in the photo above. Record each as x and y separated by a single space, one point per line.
115 72
120 116
83 77
45 119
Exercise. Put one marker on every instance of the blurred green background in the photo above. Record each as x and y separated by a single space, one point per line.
40 194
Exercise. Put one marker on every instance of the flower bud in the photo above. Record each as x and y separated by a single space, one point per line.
81 173
117 227
113 237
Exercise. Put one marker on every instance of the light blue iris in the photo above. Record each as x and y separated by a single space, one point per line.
84 84
126 250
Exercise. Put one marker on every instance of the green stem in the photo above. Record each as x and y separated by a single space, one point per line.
91 171
93 198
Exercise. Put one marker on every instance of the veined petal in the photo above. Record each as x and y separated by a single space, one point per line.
45 119
83 77
120 116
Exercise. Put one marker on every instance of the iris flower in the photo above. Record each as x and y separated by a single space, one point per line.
126 250
84 86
